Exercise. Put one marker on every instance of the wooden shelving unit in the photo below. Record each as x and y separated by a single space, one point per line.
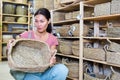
82 7
2 14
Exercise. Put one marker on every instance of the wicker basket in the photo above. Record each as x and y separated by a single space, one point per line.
9 8
113 32
21 10
75 48
94 53
29 56
115 74
73 67
98 77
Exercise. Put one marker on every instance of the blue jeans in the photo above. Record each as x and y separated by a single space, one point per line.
57 72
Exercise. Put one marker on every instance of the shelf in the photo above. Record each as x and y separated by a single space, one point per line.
68 37
102 62
71 56
94 2
105 17
66 22
12 32
14 15
68 8
14 23
102 38
15 3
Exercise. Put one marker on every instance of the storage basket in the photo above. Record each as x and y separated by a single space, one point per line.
75 32
73 67
29 56
65 3
75 48
112 56
102 9
63 31
115 74
65 47
114 47
98 77
9 19
113 32
21 10
22 19
94 53
9 8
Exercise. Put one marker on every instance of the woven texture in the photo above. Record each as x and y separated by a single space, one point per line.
113 32
115 74
98 77
29 56
94 53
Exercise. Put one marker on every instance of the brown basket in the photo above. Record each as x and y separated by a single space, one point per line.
29 56
21 10
113 57
94 53
98 77
115 74
65 3
113 32
75 48
65 47
9 19
73 67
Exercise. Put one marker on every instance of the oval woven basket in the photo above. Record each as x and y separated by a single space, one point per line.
29 56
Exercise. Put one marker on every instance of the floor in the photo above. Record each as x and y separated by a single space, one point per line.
4 71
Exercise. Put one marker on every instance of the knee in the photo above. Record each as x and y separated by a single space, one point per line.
61 69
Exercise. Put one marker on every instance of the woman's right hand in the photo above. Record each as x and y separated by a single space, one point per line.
9 44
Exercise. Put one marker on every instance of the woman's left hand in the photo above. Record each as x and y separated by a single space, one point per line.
53 57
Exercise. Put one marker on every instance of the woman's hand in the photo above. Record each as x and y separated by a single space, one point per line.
9 44
53 58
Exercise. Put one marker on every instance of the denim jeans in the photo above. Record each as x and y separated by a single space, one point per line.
57 72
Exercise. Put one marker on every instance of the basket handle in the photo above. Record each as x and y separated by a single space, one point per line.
54 53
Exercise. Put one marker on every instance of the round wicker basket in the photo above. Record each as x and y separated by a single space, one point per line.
29 56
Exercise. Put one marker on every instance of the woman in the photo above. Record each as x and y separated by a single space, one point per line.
42 32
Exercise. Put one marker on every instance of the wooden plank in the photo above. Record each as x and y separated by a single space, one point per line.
94 2
105 17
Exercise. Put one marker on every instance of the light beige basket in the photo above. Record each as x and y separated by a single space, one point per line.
65 47
73 67
75 48
29 56
98 77
115 74
94 53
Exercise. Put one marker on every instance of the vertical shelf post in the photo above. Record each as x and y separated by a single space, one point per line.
81 42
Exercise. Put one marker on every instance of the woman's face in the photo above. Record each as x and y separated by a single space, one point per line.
41 23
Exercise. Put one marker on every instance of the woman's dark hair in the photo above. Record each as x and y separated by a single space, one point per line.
45 12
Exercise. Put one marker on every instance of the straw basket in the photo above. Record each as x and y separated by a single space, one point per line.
94 53
115 74
73 67
98 77
29 56
21 10
65 47
75 48
9 8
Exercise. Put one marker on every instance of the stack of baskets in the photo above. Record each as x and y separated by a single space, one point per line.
29 55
